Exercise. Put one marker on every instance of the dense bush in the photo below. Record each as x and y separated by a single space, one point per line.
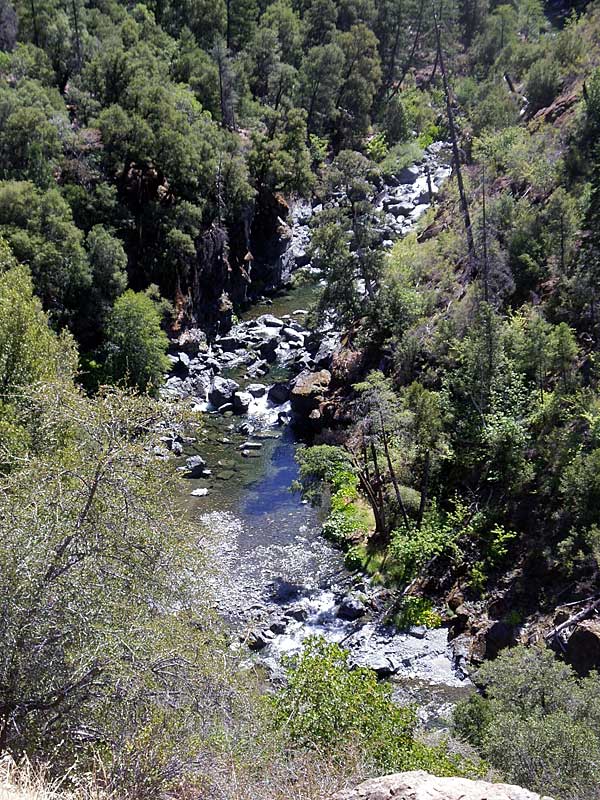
537 723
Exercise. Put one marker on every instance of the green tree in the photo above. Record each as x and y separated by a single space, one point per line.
40 230
108 263
135 343
361 78
30 352
320 81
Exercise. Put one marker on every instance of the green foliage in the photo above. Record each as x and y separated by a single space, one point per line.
90 585
438 535
135 343
377 147
536 722
543 83
416 611
321 466
30 353
40 230
326 703
593 102
347 520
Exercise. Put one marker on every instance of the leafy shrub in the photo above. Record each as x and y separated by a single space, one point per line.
543 83
438 534
593 101
377 147
136 344
416 611
320 467
326 703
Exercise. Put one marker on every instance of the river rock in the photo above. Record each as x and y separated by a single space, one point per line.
241 402
251 446
269 321
293 335
199 492
226 475
408 174
257 640
351 608
222 391
258 370
279 626
279 393
378 662
177 448
418 211
201 383
268 349
419 785
193 341
196 466
297 613
401 209
257 389
230 344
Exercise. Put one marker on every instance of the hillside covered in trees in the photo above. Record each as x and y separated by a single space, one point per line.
155 161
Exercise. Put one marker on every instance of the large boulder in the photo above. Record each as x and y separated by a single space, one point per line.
222 391
193 341
419 785
408 174
351 608
308 391
269 321
583 647
241 402
279 393
268 349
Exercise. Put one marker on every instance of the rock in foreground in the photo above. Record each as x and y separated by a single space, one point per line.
422 786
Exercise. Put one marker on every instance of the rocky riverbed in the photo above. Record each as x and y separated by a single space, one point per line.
279 581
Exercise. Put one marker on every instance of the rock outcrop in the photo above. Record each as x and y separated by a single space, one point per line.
583 647
422 786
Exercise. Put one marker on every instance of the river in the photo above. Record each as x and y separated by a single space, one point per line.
276 579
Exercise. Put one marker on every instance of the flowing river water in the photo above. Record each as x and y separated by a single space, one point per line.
276 579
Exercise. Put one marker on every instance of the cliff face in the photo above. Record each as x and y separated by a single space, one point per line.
422 786
238 263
